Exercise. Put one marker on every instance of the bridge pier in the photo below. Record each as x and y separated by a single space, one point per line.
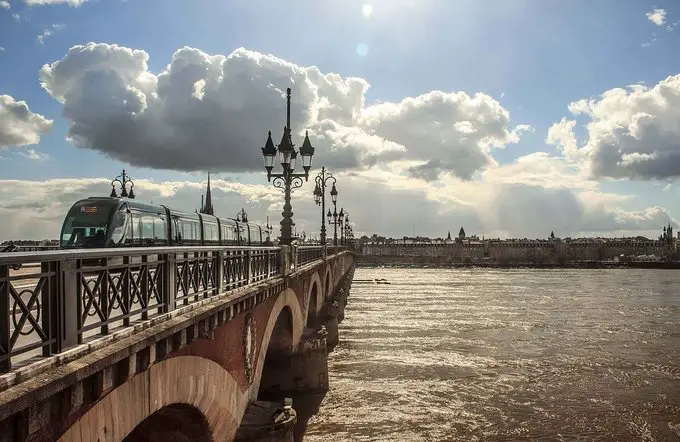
266 421
302 376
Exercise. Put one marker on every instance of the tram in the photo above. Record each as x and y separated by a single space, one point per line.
100 222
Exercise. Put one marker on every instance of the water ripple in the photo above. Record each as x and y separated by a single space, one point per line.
506 355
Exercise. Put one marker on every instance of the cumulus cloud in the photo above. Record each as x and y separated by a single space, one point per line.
213 112
4 4
18 125
657 16
632 133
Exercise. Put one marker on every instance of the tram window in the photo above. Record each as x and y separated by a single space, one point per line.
190 231
160 229
229 233
119 226
129 232
176 231
253 234
147 227
210 232
86 224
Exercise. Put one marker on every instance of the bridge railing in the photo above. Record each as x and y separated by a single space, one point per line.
23 248
57 300
60 299
307 254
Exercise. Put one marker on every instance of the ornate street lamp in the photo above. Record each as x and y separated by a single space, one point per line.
123 180
344 236
242 216
320 197
335 219
287 180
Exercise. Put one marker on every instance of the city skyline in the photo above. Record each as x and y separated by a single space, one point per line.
512 121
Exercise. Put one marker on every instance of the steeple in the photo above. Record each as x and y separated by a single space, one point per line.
461 233
448 237
208 207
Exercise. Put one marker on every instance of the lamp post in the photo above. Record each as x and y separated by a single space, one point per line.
320 197
287 180
335 218
123 180
345 230
269 229
242 216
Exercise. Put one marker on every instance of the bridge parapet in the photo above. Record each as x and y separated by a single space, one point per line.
60 300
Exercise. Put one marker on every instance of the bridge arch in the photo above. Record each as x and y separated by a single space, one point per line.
285 308
328 283
173 423
184 383
315 300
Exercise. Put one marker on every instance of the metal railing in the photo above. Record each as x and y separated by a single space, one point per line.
60 299
307 254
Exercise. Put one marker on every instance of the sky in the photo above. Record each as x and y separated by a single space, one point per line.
511 118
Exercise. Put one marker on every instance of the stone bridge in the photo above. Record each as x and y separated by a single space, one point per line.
167 344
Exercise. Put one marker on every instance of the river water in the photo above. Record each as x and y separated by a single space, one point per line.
503 355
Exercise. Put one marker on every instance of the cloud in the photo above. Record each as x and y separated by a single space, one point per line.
2 49
657 16
376 201
18 125
632 133
48 32
74 3
213 112
4 4
32 154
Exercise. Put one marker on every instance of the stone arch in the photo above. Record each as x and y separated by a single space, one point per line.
190 380
173 423
328 283
286 298
314 296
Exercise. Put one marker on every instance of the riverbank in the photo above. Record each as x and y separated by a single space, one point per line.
443 262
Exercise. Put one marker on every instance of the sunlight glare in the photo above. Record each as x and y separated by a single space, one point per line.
367 10
362 49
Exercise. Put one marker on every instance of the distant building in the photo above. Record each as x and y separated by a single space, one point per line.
551 249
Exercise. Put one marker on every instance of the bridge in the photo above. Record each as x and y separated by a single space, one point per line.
167 343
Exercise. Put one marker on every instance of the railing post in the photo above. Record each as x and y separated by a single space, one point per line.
249 270
324 252
219 263
169 286
285 260
295 256
5 352
69 295
104 297
48 305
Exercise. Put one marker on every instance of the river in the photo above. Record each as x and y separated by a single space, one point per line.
504 355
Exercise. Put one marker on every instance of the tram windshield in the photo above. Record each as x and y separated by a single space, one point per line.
87 224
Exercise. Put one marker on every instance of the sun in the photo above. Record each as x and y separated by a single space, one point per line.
367 10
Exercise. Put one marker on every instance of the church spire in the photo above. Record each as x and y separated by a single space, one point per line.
208 207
